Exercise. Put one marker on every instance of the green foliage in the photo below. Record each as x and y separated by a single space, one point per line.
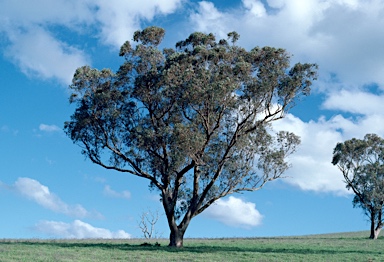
362 165
151 35
233 37
194 120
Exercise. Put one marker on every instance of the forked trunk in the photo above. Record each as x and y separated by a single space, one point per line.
176 238
375 231
372 236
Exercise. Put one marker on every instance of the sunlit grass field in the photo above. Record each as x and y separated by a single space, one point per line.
331 247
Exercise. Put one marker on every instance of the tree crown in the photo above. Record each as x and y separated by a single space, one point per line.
362 165
194 120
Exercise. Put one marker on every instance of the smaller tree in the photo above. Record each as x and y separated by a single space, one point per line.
362 165
148 220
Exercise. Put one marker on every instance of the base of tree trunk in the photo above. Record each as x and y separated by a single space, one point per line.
176 239
375 234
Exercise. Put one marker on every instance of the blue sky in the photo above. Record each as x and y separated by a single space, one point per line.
48 189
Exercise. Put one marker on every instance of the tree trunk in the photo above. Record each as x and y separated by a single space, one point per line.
176 237
375 231
372 236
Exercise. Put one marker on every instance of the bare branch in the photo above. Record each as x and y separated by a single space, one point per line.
148 220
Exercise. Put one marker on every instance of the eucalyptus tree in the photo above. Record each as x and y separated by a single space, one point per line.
362 165
194 120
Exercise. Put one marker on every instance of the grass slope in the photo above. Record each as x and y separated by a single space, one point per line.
330 247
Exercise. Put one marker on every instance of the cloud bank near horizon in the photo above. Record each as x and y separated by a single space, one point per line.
77 229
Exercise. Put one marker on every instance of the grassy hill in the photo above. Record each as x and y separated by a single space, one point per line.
354 246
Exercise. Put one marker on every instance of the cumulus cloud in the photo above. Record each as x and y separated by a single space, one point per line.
311 164
108 191
234 212
312 168
255 7
49 128
39 54
69 12
35 191
355 101
120 19
207 14
77 229
39 51
343 37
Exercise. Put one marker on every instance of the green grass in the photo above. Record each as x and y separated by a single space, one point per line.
330 247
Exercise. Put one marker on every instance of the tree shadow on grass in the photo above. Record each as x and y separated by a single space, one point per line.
189 249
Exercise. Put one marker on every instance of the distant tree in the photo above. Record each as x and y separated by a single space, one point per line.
194 120
362 165
147 224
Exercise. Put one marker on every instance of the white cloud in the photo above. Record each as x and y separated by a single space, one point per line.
356 102
108 191
255 7
343 37
312 168
119 20
69 12
208 14
40 54
234 212
49 128
77 229
41 194
33 46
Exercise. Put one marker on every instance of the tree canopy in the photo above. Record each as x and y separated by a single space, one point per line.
362 165
194 120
